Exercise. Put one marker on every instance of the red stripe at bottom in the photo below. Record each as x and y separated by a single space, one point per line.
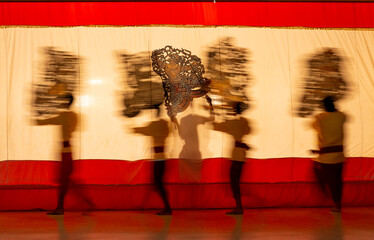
115 184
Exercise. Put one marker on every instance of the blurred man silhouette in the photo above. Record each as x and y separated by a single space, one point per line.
68 120
328 166
237 128
158 130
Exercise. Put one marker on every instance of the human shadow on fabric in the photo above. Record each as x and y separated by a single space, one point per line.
190 159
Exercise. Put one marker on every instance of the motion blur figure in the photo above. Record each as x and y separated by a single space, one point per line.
237 128
142 93
158 130
68 120
328 166
190 159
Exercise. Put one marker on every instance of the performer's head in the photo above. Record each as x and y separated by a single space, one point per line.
69 100
328 104
157 107
239 107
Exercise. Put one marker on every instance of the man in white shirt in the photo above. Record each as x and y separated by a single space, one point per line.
328 166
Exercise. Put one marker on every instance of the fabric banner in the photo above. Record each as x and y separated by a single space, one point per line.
118 77
278 67
322 14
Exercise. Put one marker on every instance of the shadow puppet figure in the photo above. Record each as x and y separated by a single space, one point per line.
237 128
328 167
60 74
325 78
182 78
227 68
158 130
141 92
67 120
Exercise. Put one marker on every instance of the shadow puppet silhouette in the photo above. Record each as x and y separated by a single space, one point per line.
182 78
227 67
325 78
141 92
237 128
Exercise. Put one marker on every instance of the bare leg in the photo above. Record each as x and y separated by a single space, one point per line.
65 172
235 173
335 184
158 174
320 173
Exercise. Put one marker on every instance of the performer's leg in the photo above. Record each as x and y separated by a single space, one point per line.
235 173
320 173
336 185
62 192
158 174
79 192
65 171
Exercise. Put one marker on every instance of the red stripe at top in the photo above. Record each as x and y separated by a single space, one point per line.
270 14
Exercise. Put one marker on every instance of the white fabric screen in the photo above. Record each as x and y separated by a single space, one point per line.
277 69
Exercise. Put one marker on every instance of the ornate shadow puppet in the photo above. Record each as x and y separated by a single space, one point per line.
141 92
60 76
324 79
182 78
227 68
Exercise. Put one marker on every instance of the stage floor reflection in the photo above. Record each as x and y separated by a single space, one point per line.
274 224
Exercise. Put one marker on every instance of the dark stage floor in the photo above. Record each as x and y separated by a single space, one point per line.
277 223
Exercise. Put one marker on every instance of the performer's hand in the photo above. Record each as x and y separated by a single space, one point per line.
313 151
175 121
212 114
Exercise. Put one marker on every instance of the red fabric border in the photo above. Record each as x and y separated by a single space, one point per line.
213 171
188 196
277 14
118 184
